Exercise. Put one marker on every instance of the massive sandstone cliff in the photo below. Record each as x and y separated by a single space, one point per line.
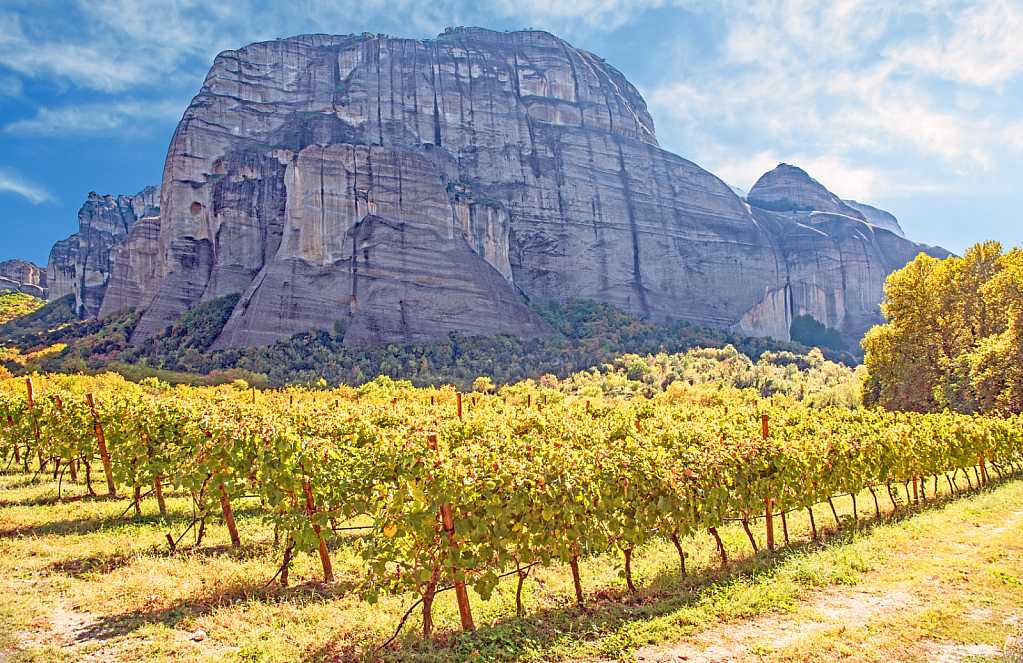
411 188
81 263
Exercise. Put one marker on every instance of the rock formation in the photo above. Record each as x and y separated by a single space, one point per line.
23 276
837 255
790 189
81 263
406 189
877 217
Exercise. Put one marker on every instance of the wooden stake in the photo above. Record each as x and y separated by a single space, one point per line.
253 394
35 424
328 569
763 425
102 443
461 594
458 398
448 524
225 506
577 580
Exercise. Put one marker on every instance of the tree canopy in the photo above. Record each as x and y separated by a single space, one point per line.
807 330
954 336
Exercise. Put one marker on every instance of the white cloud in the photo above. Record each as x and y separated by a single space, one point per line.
842 179
111 45
985 48
851 80
744 172
96 118
606 15
11 180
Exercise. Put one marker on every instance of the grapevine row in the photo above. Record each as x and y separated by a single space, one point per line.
471 495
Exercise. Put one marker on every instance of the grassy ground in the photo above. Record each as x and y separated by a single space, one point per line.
81 582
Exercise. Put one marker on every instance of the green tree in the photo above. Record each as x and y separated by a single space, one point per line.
952 340
807 330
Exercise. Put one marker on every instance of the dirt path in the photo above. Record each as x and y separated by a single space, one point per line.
890 615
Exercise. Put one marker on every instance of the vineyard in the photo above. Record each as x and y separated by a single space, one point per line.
450 490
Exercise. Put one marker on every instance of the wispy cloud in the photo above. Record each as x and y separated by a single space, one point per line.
98 118
12 181
838 83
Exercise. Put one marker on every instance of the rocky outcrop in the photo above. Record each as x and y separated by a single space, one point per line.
403 189
23 276
790 189
836 268
837 256
547 161
877 217
132 261
80 265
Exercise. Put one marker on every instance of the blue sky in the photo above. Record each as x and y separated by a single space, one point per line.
914 107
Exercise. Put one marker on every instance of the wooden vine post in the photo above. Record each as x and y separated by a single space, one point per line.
768 516
102 443
328 569
232 527
458 398
35 424
448 525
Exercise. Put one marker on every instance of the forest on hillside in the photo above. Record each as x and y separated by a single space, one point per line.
590 335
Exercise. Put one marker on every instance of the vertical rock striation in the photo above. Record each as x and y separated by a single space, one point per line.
406 189
81 263
837 256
